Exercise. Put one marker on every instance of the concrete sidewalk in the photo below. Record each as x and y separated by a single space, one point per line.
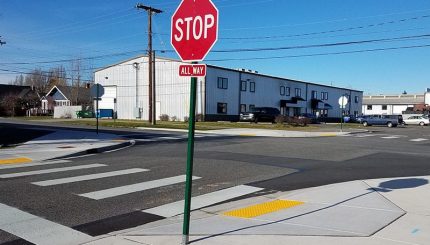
61 144
369 212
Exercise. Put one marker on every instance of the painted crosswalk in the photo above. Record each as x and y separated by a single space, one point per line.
24 225
127 189
38 230
89 177
418 140
51 170
386 137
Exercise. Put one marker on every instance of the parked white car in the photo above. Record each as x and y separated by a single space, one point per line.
417 120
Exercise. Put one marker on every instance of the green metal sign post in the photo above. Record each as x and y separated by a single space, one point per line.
192 46
190 158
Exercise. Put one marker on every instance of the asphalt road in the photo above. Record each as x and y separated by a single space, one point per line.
275 164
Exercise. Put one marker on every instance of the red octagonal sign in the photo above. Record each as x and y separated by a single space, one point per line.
194 29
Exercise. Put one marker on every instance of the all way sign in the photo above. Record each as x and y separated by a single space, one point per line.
192 70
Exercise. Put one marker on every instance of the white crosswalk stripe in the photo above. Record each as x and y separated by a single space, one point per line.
38 230
175 208
127 189
364 135
418 140
88 177
391 137
51 170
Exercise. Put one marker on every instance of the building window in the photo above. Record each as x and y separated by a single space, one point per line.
356 99
242 108
324 95
222 108
298 92
282 90
287 91
369 107
242 85
222 83
324 113
251 107
384 107
314 94
252 87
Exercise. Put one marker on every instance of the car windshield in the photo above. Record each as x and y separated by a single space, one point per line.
255 110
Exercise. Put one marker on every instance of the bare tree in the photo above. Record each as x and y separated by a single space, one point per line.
19 80
76 80
9 104
38 81
57 76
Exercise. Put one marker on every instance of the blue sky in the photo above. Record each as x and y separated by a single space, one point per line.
104 32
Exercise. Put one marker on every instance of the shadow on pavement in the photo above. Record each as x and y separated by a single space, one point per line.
391 185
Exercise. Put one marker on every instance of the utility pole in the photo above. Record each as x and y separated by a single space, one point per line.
154 89
150 11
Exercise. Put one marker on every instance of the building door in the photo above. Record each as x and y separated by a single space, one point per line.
297 111
158 110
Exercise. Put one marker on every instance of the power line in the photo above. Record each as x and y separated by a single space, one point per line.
321 45
353 42
321 54
331 31
2 42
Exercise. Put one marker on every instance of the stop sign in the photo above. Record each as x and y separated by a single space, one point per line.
194 29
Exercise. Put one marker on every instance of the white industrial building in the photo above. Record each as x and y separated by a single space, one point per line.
221 95
394 104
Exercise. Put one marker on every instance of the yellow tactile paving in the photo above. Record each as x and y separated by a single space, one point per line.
15 160
263 208
328 134
247 135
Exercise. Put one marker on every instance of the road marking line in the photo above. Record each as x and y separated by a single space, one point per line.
38 230
15 160
51 170
145 140
364 135
127 189
418 140
89 177
262 208
390 137
33 164
175 208
168 138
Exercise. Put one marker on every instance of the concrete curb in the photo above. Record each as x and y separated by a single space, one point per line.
98 150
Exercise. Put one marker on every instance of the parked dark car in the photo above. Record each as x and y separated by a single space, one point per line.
387 120
260 114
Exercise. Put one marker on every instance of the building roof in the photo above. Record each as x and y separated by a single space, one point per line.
229 69
21 91
402 99
68 92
